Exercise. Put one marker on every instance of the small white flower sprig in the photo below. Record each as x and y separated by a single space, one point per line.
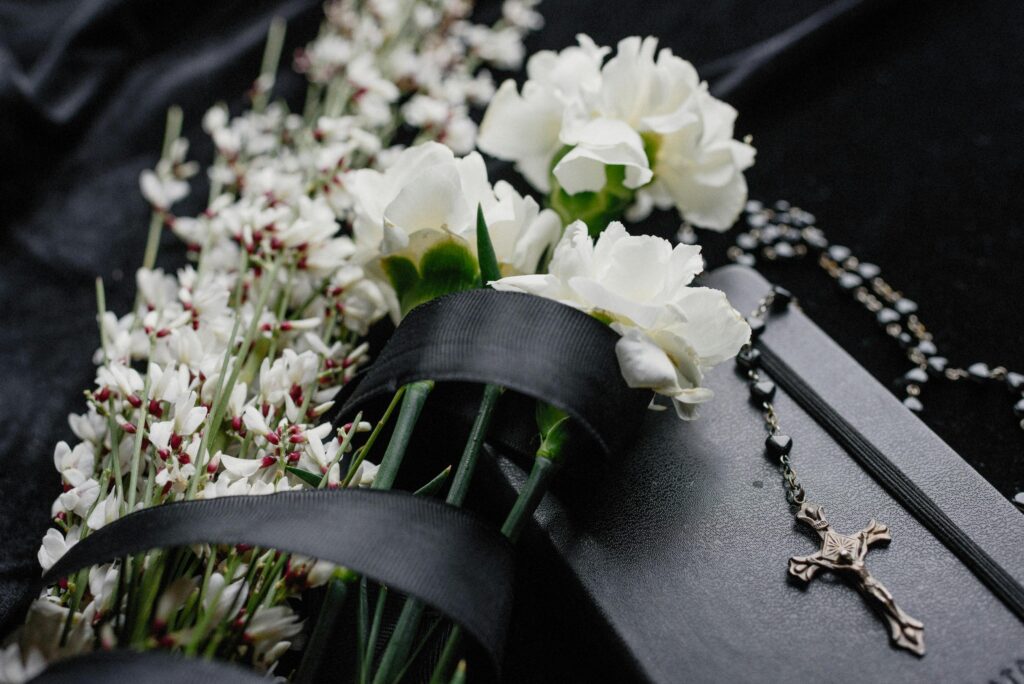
671 333
217 381
637 131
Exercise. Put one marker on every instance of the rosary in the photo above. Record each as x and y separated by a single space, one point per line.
785 232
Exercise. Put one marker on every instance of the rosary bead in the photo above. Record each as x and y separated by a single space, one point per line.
937 365
784 250
770 235
850 281
916 376
978 371
762 391
914 404
744 259
746 242
927 347
886 316
814 238
783 298
1015 382
905 306
754 206
782 205
757 220
905 340
778 445
748 358
784 218
839 253
1018 409
868 271
756 327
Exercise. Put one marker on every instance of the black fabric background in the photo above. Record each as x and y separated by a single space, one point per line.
901 133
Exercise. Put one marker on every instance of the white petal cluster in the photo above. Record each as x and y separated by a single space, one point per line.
430 190
672 333
218 380
643 109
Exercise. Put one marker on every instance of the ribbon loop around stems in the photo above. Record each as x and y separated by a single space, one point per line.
444 556
533 346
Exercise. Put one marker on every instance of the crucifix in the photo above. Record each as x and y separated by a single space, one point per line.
844 554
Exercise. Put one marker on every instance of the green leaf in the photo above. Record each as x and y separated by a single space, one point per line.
554 425
435 484
309 478
489 269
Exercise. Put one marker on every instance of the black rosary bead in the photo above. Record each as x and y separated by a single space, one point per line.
746 242
839 253
784 250
748 358
937 366
927 348
756 327
978 371
914 404
762 391
868 271
850 281
782 298
744 259
1018 409
813 237
886 316
770 234
916 376
1015 382
905 306
778 445
757 220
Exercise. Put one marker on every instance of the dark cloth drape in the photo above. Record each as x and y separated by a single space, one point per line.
900 131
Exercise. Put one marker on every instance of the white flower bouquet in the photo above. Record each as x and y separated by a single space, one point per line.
222 380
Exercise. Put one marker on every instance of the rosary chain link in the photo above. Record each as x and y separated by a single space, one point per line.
795 493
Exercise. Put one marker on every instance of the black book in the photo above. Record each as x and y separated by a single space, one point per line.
671 563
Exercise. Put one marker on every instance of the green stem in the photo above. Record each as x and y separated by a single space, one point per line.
317 649
400 643
271 59
530 496
140 432
544 469
451 647
364 450
371 644
412 405
471 453
171 132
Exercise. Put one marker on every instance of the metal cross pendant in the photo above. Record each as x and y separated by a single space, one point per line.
844 554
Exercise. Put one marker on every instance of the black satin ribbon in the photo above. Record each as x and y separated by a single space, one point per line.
533 346
445 556
149 667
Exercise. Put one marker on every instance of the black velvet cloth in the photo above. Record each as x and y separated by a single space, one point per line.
901 132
